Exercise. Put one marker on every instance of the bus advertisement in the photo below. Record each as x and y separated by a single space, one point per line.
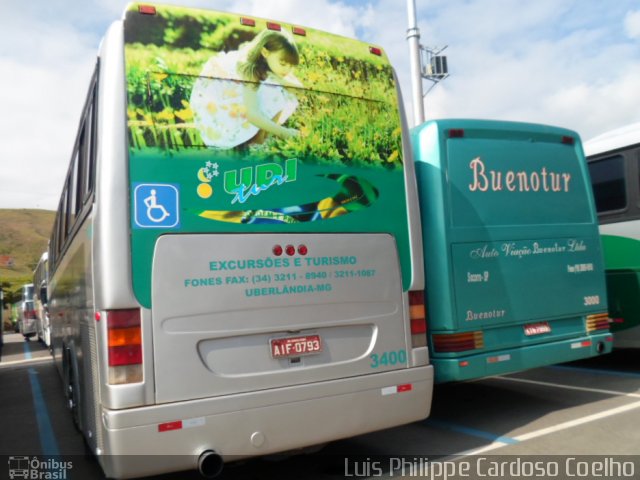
244 252
513 261
614 165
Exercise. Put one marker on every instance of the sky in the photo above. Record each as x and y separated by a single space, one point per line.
570 63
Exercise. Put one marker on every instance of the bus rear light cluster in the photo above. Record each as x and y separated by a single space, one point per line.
597 322
290 250
124 333
458 342
418 318
147 9
250 22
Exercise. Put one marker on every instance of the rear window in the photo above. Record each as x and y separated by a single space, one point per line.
609 186
235 128
497 182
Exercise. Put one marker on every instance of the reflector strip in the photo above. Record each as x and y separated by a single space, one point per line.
499 358
407 387
169 426
586 343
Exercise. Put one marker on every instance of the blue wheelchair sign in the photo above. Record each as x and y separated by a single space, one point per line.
156 205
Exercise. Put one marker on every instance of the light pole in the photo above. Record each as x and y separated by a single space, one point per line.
434 68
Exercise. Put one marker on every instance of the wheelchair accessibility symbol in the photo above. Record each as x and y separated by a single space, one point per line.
156 205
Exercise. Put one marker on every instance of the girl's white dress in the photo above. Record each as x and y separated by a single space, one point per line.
217 101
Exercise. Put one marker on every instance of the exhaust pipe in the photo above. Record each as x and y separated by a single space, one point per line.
210 464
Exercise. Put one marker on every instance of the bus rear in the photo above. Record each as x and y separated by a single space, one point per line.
270 297
513 261
613 159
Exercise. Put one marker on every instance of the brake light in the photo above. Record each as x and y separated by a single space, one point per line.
147 9
458 342
299 31
456 133
124 334
568 140
418 318
597 322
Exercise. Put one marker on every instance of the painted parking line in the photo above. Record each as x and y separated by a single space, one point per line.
473 432
615 393
595 371
496 443
48 441
17 363
27 350
557 428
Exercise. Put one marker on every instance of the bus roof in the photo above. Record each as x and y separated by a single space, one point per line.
613 139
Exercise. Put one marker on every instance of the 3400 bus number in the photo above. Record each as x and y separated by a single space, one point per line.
388 359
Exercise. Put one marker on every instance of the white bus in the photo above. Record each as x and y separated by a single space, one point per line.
27 315
40 282
236 262
614 164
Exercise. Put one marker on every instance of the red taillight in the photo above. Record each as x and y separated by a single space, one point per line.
299 31
274 26
248 22
598 322
456 133
277 250
458 342
290 250
147 9
418 318
568 140
124 342
302 249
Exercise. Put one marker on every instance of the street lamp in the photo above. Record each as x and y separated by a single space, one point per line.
426 62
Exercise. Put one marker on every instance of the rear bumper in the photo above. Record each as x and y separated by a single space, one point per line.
260 423
499 362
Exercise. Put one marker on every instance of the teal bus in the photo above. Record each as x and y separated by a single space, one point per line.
614 164
235 267
513 260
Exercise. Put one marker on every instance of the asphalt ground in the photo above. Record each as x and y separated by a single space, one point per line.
578 420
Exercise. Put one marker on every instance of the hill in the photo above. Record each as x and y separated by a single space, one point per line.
24 235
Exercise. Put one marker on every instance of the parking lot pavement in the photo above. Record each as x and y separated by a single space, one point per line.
584 408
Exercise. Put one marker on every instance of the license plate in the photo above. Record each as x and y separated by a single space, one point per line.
536 328
295 346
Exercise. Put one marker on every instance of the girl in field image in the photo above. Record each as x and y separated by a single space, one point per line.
242 95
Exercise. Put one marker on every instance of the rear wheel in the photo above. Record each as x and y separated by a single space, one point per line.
70 389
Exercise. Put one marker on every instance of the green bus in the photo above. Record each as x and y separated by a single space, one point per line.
236 264
513 261
614 164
